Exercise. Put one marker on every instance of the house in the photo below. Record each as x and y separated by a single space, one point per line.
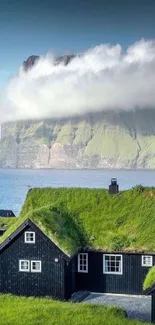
151 292
65 240
35 265
6 213
149 289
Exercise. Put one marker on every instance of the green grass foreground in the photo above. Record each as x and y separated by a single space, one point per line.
35 311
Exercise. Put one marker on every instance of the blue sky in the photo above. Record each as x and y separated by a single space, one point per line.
34 27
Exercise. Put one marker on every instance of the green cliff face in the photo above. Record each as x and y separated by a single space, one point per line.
103 140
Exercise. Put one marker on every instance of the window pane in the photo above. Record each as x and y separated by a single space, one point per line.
30 236
83 262
146 260
112 264
24 265
36 265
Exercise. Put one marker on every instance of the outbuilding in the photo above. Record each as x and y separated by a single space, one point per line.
6 213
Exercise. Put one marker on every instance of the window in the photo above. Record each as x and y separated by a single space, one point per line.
35 266
112 264
24 265
30 237
83 262
146 260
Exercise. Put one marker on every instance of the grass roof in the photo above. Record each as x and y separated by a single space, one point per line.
6 222
80 217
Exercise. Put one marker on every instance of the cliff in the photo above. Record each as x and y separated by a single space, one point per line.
103 140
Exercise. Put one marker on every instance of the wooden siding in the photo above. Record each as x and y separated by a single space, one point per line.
130 282
153 308
50 282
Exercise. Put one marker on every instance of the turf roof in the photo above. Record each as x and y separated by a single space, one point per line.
78 217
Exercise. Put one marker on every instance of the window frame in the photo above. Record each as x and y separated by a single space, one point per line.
146 265
79 265
111 272
27 241
24 270
36 271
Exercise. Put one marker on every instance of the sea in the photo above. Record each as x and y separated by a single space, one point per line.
15 183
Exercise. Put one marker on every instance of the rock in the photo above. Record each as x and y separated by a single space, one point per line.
103 140
29 63
32 60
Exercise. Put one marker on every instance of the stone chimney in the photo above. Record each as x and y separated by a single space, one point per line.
113 187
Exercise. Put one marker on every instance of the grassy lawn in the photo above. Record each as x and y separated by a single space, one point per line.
35 311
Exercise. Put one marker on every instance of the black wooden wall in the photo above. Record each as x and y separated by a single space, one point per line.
153 308
50 282
130 282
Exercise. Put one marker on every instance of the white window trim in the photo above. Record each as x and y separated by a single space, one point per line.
151 261
23 270
27 241
36 271
79 269
115 273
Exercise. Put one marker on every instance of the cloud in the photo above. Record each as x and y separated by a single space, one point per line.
102 78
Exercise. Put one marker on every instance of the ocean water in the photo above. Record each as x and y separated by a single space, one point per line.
14 183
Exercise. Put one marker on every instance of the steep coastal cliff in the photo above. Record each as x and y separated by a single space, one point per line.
104 140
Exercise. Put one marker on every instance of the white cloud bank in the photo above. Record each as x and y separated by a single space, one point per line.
103 78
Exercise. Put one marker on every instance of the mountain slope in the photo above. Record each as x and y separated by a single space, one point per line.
101 140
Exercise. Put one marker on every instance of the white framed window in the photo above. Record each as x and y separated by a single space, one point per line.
35 266
83 262
24 266
146 260
30 237
112 264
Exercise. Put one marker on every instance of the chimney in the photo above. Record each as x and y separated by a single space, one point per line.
113 187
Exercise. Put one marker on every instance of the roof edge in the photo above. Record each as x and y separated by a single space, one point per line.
29 222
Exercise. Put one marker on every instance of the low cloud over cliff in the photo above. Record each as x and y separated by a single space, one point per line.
102 78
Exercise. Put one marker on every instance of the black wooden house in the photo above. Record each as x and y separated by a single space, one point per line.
34 260
6 213
32 265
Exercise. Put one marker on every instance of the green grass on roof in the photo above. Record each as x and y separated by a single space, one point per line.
35 311
80 217
150 279
7 222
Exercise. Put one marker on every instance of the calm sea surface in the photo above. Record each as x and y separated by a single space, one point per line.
14 183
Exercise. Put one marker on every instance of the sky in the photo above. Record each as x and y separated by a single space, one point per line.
69 26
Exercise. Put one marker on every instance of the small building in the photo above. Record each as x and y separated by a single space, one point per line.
6 213
149 283
151 292
113 187
37 267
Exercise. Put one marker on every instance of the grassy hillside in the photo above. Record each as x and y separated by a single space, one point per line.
34 311
103 140
75 217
